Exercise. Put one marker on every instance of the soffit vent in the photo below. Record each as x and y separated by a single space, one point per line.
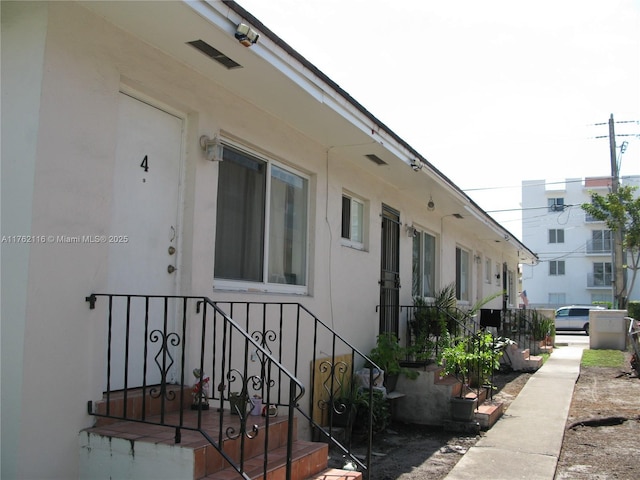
375 159
215 54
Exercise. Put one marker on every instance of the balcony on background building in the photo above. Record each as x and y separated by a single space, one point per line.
604 280
599 247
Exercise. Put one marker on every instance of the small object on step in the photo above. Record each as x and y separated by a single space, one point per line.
270 410
350 466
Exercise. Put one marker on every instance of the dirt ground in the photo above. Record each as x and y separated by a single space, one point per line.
413 452
602 440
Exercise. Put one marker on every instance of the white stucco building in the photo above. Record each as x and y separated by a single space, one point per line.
106 188
574 251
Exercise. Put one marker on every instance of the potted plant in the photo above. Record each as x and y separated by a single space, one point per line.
472 360
388 355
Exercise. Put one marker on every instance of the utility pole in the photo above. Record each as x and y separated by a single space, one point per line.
619 283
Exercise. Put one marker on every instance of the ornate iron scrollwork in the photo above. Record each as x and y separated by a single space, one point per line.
242 402
164 353
335 382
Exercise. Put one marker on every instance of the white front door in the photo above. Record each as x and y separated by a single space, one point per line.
143 249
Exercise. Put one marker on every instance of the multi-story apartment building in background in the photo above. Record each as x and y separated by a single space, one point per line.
575 251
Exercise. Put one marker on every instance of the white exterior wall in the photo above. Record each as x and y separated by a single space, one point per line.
536 223
57 178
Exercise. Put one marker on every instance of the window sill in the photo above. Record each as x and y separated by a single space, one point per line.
259 288
353 245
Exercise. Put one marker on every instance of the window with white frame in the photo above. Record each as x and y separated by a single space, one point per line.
556 267
463 274
557 299
511 287
353 214
602 274
556 235
487 270
600 298
555 204
601 241
261 221
424 265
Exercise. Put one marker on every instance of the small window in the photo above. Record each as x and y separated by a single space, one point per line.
424 265
556 235
353 221
463 274
557 298
556 204
487 270
602 274
556 267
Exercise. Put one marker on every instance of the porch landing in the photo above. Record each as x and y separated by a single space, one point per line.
129 449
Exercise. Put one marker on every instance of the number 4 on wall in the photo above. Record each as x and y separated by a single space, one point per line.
145 163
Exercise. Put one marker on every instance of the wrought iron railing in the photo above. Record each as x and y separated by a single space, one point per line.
247 350
297 338
430 329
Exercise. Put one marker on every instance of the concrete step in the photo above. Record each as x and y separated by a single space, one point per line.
488 414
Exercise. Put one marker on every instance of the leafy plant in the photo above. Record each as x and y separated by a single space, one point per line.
474 358
542 327
380 414
388 353
431 321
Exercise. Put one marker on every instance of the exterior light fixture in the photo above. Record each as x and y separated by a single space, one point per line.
430 204
246 35
212 148
411 231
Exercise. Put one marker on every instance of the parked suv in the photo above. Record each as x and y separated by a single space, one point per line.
574 317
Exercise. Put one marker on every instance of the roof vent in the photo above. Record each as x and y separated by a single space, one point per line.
375 159
215 54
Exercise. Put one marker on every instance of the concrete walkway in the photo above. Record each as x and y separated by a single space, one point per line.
525 443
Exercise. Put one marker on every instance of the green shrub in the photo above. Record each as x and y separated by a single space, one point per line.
633 310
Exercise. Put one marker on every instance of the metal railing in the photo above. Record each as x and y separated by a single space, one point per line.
245 350
430 329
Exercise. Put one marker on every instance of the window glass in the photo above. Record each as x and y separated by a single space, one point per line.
240 219
424 260
462 274
556 267
254 228
353 220
487 270
556 235
555 204
287 228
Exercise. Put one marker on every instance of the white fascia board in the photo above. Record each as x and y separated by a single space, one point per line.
225 18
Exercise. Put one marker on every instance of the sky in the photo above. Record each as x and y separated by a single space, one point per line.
491 92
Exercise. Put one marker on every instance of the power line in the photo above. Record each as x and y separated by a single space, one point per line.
579 180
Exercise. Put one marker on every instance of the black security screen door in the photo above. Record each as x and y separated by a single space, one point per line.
390 271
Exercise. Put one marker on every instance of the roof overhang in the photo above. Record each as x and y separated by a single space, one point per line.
277 79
